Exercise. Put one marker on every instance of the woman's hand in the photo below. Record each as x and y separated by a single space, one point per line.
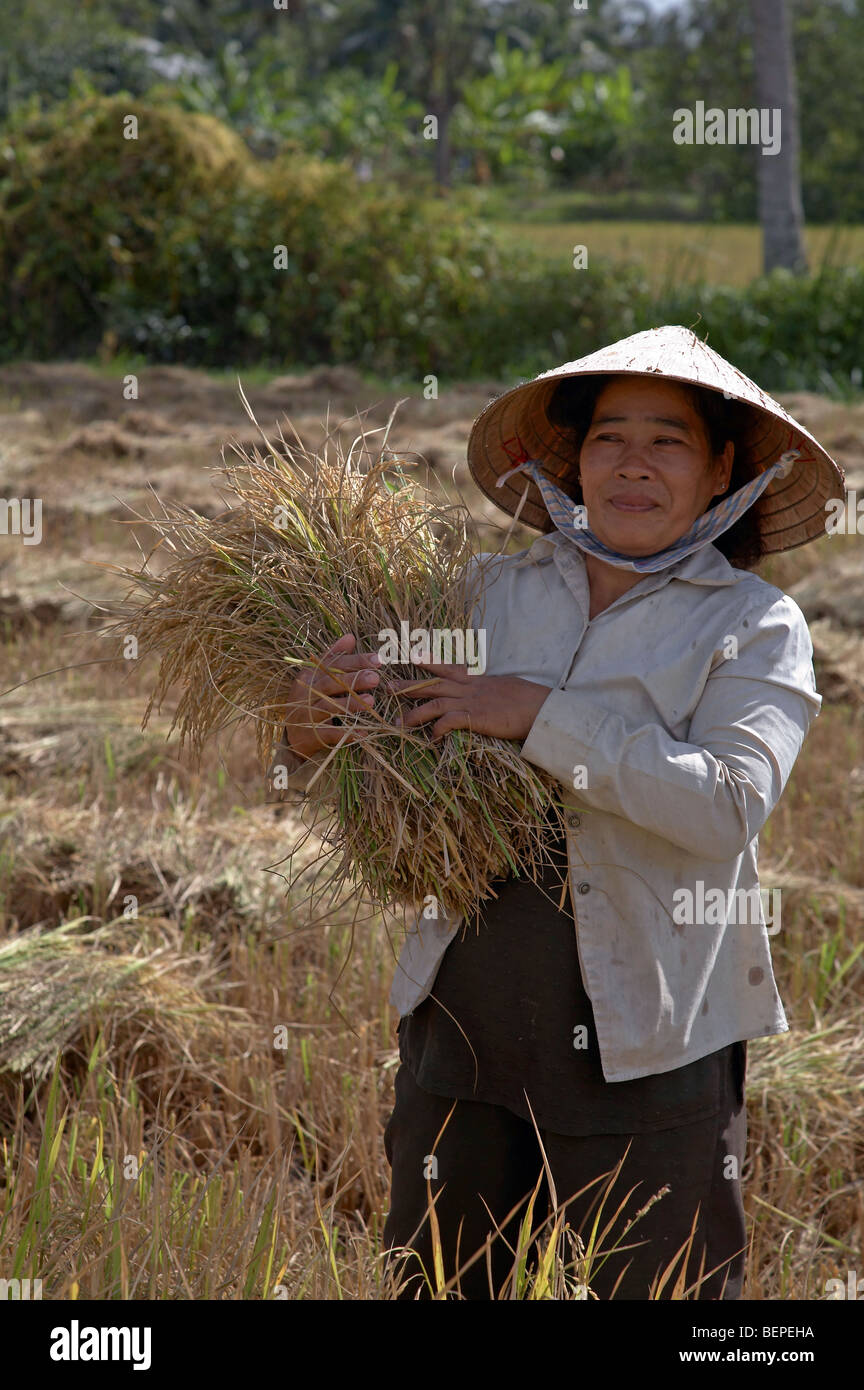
341 683
500 706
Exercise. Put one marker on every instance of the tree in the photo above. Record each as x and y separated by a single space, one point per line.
781 212
443 41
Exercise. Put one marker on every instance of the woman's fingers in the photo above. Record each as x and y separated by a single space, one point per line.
342 653
422 690
453 719
345 643
336 676
346 672
444 715
337 682
333 707
452 670
423 714
359 661
323 706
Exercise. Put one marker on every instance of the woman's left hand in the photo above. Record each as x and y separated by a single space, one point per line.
499 706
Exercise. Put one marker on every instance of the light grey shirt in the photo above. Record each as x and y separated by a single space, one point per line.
673 722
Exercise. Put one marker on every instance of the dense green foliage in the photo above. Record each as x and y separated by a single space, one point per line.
168 245
528 92
789 332
302 127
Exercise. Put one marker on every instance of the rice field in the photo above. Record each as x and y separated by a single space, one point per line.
196 1069
675 253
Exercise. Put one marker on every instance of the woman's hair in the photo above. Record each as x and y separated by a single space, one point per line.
571 408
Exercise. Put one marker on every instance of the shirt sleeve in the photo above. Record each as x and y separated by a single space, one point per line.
712 794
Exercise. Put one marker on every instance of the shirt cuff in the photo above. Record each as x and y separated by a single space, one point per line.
563 734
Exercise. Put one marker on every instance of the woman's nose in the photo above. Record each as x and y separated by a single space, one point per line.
634 460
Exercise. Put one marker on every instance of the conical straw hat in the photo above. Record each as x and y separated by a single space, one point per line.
516 427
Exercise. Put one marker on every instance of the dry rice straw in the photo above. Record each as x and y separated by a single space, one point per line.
315 545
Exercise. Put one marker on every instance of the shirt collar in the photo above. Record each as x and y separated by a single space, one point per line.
704 566
708 565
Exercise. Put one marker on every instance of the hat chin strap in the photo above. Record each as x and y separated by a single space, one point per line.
571 518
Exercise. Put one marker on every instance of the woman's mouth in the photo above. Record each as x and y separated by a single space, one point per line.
623 504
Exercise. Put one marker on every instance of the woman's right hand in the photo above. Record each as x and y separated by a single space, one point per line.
342 682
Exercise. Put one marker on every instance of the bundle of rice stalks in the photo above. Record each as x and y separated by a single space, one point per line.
316 546
52 982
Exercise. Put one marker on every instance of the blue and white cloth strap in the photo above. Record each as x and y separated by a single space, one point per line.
571 518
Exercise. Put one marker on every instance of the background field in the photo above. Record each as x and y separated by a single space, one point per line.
675 252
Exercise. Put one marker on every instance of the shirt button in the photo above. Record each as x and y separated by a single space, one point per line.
574 821
583 888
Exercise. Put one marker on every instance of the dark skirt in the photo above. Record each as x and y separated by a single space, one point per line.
514 991
509 1022
480 1164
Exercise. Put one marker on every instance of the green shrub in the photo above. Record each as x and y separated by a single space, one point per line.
789 332
165 245
92 220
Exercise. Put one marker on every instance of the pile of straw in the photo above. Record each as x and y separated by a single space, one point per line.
316 545
52 982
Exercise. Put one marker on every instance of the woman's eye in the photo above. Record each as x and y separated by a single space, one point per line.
616 439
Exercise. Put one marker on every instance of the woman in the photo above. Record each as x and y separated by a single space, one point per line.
668 689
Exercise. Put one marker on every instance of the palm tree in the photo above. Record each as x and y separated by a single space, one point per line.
443 40
781 211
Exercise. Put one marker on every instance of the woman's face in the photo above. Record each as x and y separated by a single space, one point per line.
646 465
